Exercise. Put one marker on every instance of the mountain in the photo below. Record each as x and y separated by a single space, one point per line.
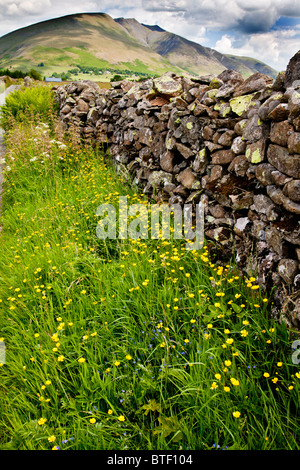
96 42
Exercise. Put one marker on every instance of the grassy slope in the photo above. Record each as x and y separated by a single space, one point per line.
99 41
88 40
189 55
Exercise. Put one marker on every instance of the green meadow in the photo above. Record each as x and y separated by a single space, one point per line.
134 344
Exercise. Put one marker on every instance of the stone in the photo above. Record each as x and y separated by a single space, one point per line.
239 165
82 107
185 151
215 82
241 201
226 138
279 113
287 270
279 179
294 142
166 161
200 109
279 198
240 126
66 109
207 133
255 152
167 85
222 157
241 104
293 70
274 239
200 162
28 81
263 174
280 158
263 205
279 83
267 107
238 146
170 142
258 230
158 178
231 77
217 211
145 136
188 179
280 132
241 225
255 129
225 91
296 123
292 190
255 82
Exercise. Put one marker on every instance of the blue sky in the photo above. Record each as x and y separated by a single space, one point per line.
268 30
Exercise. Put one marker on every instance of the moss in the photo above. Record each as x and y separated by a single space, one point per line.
212 93
254 157
215 83
240 104
202 155
169 143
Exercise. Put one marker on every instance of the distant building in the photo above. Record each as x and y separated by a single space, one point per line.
52 79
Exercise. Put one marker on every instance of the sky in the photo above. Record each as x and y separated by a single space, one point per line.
268 30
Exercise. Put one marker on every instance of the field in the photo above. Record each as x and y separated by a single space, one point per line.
124 344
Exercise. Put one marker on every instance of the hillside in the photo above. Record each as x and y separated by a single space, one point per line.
96 42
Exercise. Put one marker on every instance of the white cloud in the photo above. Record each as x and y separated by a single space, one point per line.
23 7
274 47
240 27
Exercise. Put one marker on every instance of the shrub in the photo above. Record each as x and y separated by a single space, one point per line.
35 101
116 78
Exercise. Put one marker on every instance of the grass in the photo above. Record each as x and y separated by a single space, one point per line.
26 102
125 344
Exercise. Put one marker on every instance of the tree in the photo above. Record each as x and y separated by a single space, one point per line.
116 78
35 75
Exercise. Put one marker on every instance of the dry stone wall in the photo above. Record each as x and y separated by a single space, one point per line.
233 143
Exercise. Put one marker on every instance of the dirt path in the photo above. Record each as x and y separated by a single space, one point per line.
2 146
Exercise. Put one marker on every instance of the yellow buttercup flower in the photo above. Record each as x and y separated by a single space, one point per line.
41 421
236 414
121 418
234 382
